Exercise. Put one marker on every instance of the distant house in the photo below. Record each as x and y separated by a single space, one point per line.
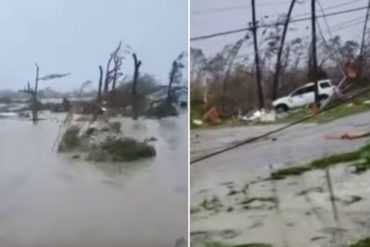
180 94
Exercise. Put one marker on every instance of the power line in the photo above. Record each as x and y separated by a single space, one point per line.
348 25
237 7
342 24
328 8
208 36
214 10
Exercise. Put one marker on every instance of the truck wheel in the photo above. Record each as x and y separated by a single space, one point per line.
282 108
323 97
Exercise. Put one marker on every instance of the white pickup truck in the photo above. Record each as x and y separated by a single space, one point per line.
305 95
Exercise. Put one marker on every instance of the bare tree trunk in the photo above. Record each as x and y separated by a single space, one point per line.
117 73
100 82
172 75
34 96
261 103
314 53
275 85
137 64
114 79
107 77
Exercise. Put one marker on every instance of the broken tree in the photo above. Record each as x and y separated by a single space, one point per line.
137 64
275 84
175 75
113 71
34 91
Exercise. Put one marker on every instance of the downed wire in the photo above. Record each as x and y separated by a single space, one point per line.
257 138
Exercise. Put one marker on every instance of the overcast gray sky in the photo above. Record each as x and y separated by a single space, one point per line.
212 16
77 35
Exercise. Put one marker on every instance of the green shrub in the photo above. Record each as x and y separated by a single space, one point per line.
128 149
362 243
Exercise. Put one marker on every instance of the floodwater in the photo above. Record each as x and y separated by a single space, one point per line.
48 199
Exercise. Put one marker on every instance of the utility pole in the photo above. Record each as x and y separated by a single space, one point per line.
261 103
364 30
275 85
314 52
35 106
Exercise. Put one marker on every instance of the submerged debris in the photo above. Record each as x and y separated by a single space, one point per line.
127 149
70 140
104 142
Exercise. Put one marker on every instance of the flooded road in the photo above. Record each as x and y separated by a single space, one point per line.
232 202
48 199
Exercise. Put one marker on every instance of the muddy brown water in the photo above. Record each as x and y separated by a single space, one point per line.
48 199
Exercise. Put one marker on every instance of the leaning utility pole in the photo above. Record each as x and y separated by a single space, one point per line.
275 84
314 52
233 53
364 30
261 103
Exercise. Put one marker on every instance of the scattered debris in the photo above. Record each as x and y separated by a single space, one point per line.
260 115
197 122
212 116
310 190
317 238
233 192
75 157
352 200
347 135
8 115
151 139
260 203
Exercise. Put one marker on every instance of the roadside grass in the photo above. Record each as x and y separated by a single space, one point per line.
362 155
356 106
362 243
242 245
341 111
